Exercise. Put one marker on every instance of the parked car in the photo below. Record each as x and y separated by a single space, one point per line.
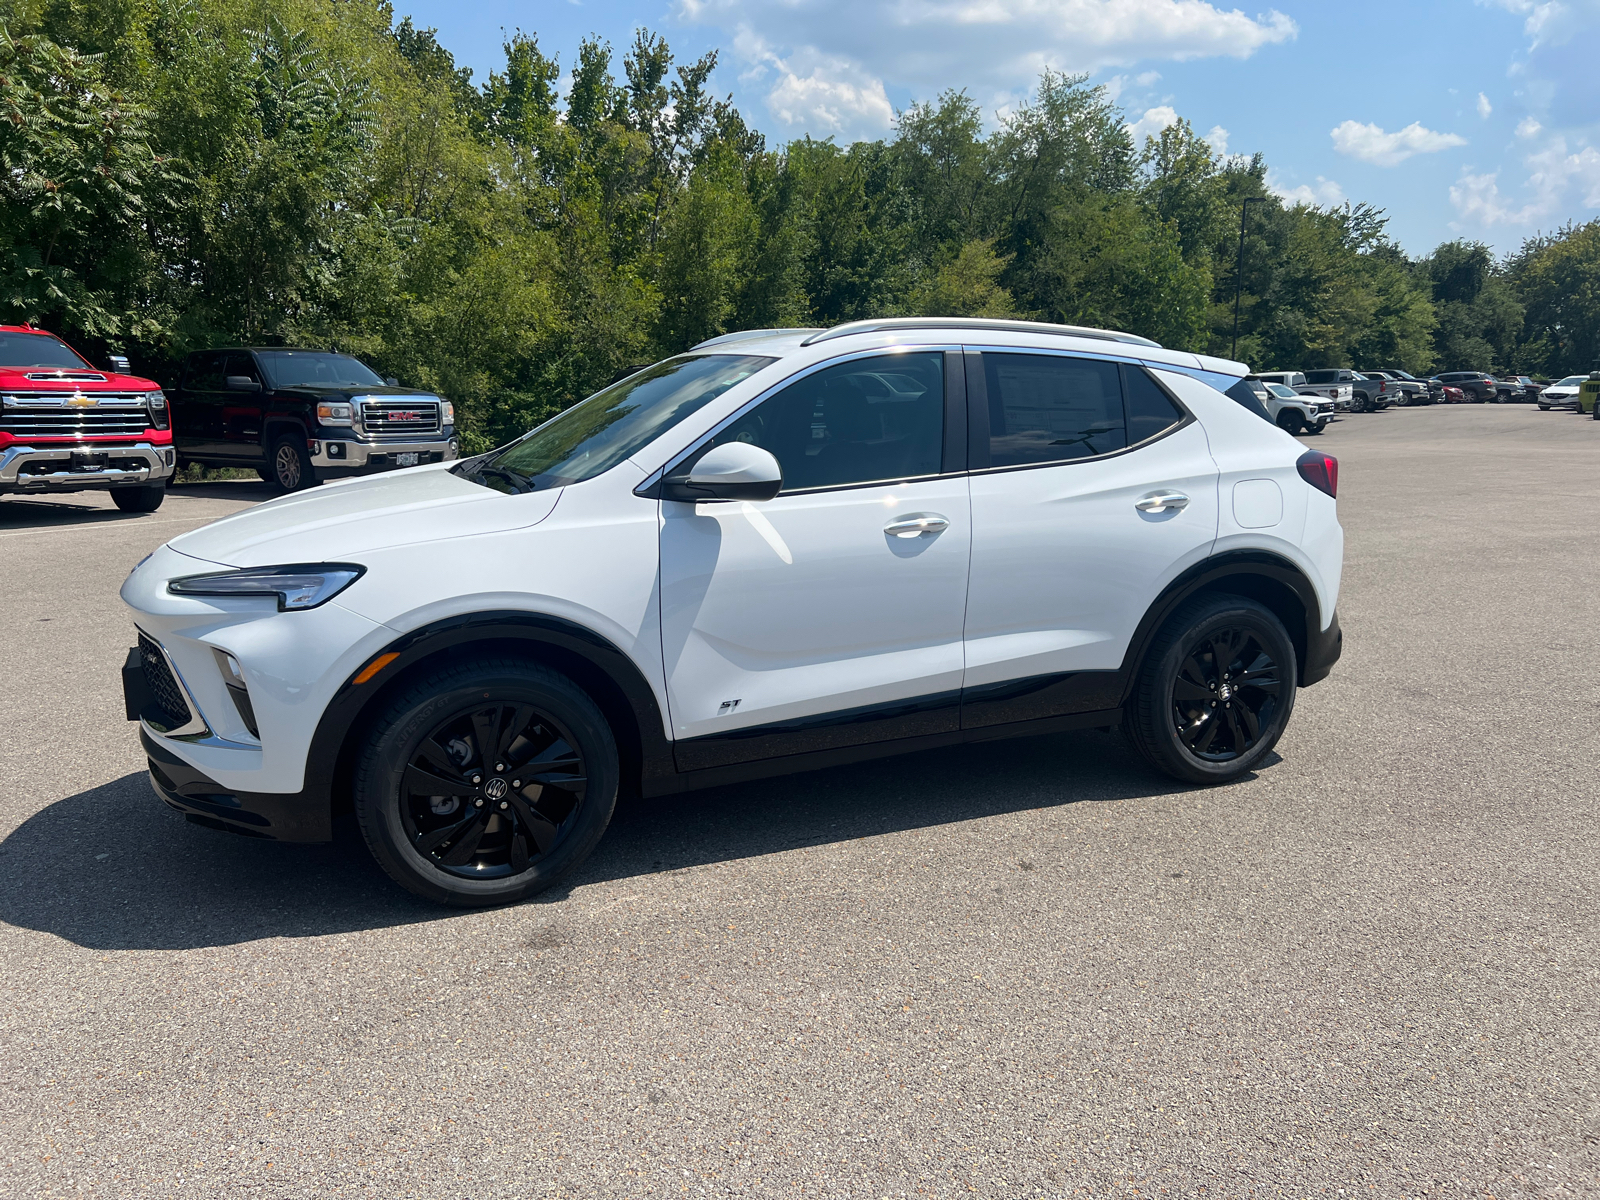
302 416
1563 393
1450 394
67 426
1366 395
1518 389
1288 409
1479 388
1412 391
1339 395
781 550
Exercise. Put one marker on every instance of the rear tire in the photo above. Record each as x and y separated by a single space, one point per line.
526 770
1215 690
289 468
144 499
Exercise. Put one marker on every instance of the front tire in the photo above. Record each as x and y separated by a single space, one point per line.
486 781
144 499
1215 690
290 467
1290 421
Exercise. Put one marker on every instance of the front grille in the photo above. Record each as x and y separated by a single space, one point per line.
399 418
51 414
173 709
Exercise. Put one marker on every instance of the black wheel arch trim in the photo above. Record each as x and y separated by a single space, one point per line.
1261 575
593 662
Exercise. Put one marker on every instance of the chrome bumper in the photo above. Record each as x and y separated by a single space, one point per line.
157 466
351 453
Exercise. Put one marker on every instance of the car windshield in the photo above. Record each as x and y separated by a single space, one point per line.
316 369
38 350
1570 381
1283 393
611 425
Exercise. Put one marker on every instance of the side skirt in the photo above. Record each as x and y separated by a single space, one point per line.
792 764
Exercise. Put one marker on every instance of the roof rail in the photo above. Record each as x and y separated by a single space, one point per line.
990 323
745 334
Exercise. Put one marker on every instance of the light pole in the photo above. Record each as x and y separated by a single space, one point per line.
1238 271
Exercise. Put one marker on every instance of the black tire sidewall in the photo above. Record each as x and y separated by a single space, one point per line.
418 709
144 499
1152 727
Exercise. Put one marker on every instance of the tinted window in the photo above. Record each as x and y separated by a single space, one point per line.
865 421
1044 408
1150 410
1245 396
240 364
1322 376
37 350
205 372
597 434
316 368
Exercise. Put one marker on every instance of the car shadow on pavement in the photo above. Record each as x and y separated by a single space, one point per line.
114 869
31 514
254 490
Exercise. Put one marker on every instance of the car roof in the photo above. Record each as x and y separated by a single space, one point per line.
781 343
264 349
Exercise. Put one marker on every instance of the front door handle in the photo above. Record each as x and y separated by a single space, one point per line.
1157 502
916 524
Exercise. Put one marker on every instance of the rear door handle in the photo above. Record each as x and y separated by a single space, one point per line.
1157 502
916 524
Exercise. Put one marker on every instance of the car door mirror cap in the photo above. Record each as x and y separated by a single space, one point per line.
242 383
731 471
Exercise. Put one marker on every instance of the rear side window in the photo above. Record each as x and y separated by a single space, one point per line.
870 420
1322 376
1045 408
1150 410
1245 396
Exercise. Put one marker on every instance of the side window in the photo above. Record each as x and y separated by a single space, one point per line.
1151 411
1046 408
240 364
865 421
1240 393
204 373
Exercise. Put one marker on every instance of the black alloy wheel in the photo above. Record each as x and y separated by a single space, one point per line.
1215 690
489 791
485 781
290 465
1290 421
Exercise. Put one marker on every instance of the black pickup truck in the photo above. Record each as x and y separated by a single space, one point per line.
302 416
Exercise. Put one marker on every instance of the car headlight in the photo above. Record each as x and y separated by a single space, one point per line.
334 412
156 402
448 412
297 586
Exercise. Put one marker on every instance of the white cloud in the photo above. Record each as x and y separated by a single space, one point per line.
1152 123
1217 139
1559 180
814 93
1370 143
1324 194
1527 128
997 47
1484 107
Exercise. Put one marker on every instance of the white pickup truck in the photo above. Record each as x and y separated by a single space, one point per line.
1341 394
1291 411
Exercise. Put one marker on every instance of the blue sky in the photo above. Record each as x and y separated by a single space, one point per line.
1466 119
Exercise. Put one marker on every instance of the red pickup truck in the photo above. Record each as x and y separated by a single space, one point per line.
66 426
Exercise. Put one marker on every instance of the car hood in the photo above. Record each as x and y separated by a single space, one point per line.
340 521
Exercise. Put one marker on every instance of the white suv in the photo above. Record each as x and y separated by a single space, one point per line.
783 550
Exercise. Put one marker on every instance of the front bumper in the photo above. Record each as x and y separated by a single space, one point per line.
348 453
283 817
139 463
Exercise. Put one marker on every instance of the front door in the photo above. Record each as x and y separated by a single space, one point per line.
832 614
1071 544
242 409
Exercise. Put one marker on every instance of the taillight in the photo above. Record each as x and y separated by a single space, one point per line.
1320 470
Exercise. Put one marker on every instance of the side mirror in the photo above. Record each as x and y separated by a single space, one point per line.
242 383
392 381
121 365
731 471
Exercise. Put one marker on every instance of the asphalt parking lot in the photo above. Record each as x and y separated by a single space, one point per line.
1026 968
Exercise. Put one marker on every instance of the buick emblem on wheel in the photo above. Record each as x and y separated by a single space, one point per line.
496 788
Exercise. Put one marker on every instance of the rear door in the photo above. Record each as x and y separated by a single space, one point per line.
1091 489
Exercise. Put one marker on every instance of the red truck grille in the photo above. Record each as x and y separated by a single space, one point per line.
53 415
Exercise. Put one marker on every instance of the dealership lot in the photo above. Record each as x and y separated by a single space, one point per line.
1014 969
